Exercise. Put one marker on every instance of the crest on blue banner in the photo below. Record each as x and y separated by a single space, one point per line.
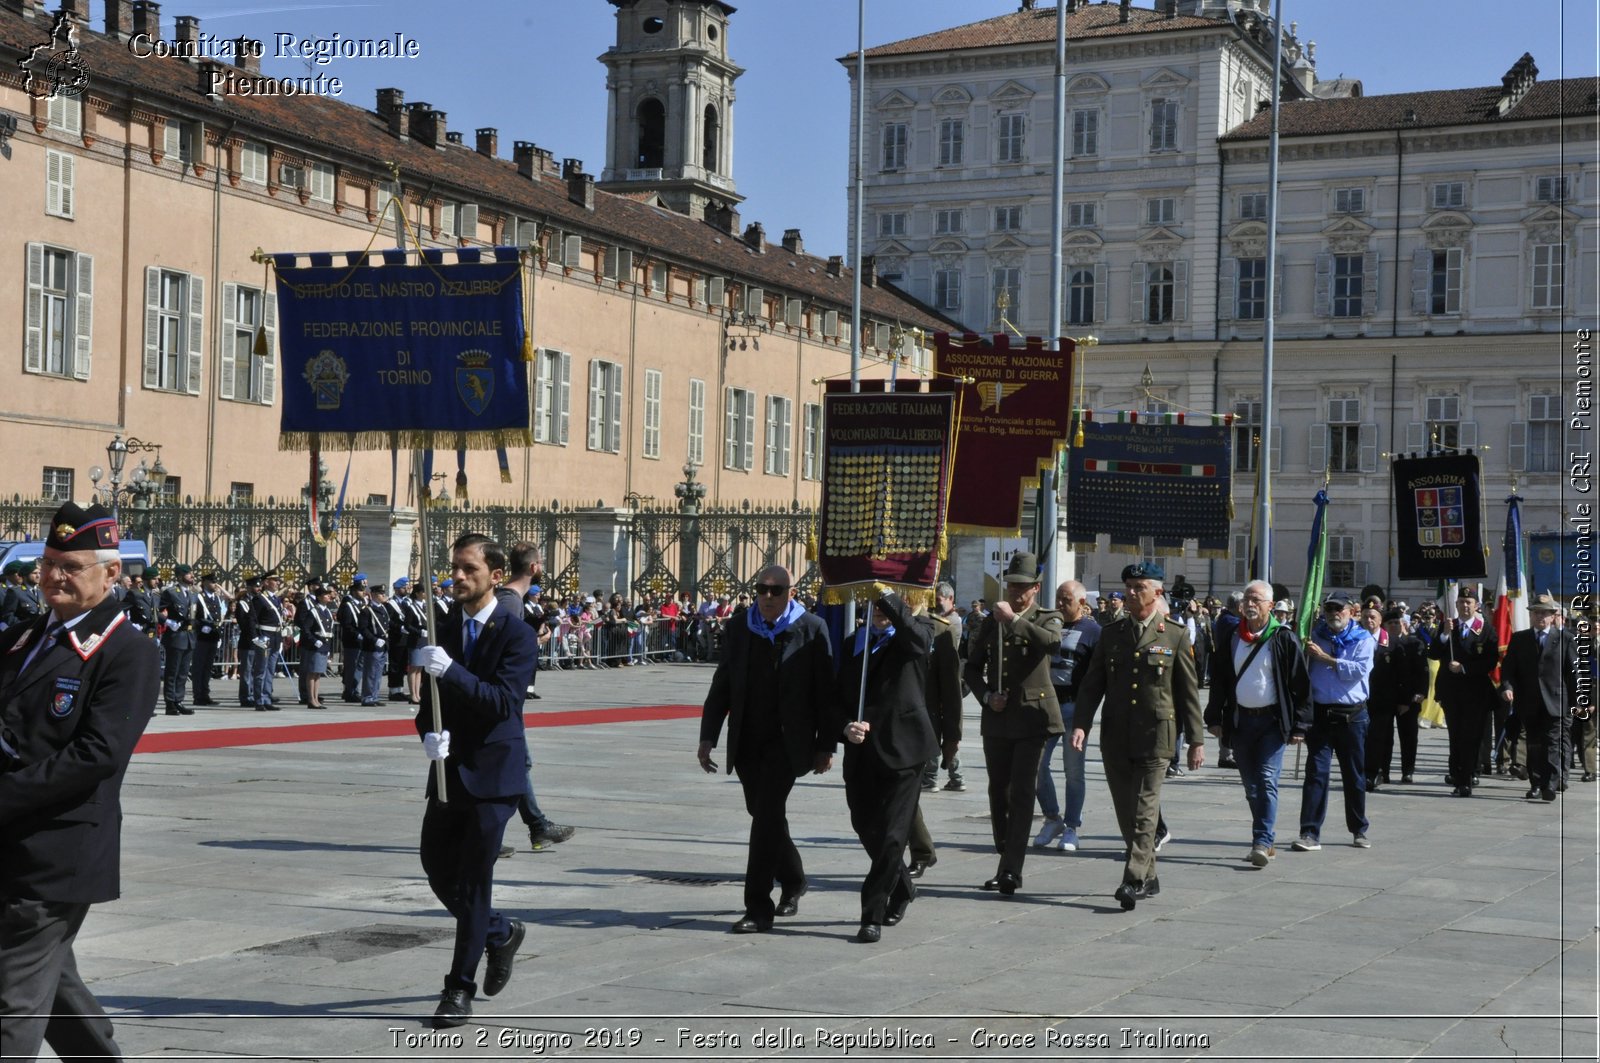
475 380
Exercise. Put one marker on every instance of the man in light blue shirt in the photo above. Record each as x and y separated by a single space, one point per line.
1339 657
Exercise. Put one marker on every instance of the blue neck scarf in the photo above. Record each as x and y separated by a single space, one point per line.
1351 634
770 632
880 639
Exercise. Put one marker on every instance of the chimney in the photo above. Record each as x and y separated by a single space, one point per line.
1516 83
209 73
835 265
147 18
427 125
453 136
525 153
869 271
392 109
792 242
488 142
756 237
119 19
724 218
25 8
186 34
76 10
580 185
247 54
1125 12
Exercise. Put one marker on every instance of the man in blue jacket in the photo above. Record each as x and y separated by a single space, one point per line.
1339 658
483 663
1260 701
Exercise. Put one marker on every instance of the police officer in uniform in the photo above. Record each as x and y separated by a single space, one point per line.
178 606
209 611
243 610
373 624
316 639
349 617
26 603
77 687
1143 670
266 629
1008 671
399 651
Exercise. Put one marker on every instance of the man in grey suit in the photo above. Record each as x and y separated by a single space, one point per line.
774 687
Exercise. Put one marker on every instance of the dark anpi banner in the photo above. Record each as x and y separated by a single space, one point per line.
1155 477
1439 518
885 475
1015 417
431 351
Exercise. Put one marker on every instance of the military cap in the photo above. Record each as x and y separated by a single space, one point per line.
253 581
1466 592
1394 612
75 527
208 576
1023 568
380 588
181 571
402 583
359 583
1144 570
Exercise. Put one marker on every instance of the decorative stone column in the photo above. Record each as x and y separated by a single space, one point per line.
385 540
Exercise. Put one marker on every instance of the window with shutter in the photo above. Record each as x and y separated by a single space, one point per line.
697 423
716 292
253 163
322 182
652 414
755 302
811 456
1085 133
467 222
66 113
194 341
1543 442
564 399
59 169
83 317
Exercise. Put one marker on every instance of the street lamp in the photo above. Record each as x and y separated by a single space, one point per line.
690 494
145 483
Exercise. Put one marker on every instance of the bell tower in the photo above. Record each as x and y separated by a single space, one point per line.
669 117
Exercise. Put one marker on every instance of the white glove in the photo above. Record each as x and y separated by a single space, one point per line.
379 644
172 625
317 644
434 660
205 629
260 643
436 744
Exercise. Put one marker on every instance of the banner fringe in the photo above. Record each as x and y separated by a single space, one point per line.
866 591
408 439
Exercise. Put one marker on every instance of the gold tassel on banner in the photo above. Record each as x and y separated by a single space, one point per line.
461 485
527 346
811 541
260 349
943 547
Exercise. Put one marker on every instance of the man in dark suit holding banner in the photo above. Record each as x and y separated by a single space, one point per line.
889 738
1539 679
484 662
1467 651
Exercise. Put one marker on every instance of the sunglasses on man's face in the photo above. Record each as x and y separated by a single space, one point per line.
773 590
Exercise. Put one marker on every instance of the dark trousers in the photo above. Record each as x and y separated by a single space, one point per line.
883 802
920 842
350 672
1380 740
460 842
1466 723
767 779
1135 786
528 805
1013 765
1332 736
399 654
1494 748
1582 737
179 662
205 658
1546 749
42 998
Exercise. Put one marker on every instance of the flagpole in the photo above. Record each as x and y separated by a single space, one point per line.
1264 449
1049 518
426 575
858 210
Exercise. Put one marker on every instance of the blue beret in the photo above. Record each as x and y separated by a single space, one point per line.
1145 570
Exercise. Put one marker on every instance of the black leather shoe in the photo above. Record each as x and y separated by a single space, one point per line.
1548 794
1588 776
789 903
751 925
501 957
172 711
1128 895
869 934
1150 887
1007 882
919 868
1533 792
897 910
455 1008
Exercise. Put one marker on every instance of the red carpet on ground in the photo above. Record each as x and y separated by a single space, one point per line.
225 737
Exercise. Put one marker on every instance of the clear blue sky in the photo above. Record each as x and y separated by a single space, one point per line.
529 68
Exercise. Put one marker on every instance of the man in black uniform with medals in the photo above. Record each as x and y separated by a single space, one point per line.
77 687
208 614
178 604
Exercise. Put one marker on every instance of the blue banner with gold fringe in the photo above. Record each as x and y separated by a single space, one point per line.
420 355
1167 477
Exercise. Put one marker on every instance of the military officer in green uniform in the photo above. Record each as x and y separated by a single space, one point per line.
1143 670
1008 671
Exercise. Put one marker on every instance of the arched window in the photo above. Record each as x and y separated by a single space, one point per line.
711 139
1080 298
652 135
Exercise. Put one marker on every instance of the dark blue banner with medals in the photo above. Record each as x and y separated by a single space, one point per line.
1163 476
1439 518
403 355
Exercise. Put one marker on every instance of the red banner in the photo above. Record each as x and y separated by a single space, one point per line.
1015 416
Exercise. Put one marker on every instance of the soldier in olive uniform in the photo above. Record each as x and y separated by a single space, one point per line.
1143 670
1008 671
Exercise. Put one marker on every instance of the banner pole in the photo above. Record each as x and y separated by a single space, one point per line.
865 636
426 575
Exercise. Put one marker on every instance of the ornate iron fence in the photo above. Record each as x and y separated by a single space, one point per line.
233 537
555 530
718 550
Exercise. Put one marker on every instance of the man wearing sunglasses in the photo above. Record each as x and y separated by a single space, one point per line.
774 686
77 687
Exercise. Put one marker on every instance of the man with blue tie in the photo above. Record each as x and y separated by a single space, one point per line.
1539 680
483 663
77 687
